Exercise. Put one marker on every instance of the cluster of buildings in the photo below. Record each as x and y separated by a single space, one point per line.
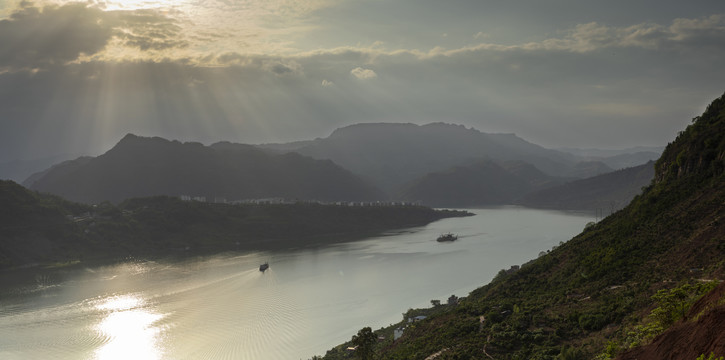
398 332
276 201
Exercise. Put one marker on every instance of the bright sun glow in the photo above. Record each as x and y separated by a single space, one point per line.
128 4
139 4
130 330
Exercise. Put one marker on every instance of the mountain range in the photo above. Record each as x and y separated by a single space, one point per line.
391 155
139 166
435 165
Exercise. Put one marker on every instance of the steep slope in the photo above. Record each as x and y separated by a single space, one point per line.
607 192
394 154
591 296
139 166
699 333
482 183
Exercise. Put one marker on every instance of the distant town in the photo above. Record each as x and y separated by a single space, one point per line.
279 200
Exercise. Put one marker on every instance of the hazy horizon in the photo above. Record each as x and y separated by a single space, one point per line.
76 77
584 151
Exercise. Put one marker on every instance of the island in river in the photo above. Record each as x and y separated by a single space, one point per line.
45 229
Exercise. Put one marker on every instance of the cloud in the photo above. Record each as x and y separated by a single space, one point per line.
242 26
36 38
363 74
54 35
282 67
481 35
591 84
682 34
146 30
230 58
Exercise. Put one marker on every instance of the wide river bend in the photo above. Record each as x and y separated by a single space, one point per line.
223 307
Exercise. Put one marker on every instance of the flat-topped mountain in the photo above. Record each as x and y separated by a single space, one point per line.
392 154
139 166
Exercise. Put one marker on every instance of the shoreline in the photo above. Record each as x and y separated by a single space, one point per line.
208 240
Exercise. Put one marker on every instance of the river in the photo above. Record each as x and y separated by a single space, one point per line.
223 307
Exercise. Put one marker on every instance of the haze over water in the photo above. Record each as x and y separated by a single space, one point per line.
222 307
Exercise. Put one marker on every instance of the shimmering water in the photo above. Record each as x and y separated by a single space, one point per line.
222 307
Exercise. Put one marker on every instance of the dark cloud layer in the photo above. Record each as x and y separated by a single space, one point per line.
34 37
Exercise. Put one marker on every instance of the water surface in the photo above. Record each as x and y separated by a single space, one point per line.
223 307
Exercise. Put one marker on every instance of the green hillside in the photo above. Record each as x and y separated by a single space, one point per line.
592 297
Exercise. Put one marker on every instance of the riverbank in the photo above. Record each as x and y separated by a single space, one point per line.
44 230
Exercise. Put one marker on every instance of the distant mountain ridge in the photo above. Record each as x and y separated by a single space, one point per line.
605 153
139 166
481 183
611 191
19 170
619 159
392 154
60 168
432 164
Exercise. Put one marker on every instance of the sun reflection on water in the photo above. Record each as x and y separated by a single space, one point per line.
130 328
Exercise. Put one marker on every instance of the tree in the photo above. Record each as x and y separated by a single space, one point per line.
570 353
364 341
674 303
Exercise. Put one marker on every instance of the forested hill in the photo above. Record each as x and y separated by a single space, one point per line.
45 229
615 286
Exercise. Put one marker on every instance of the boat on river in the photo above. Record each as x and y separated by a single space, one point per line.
447 237
263 267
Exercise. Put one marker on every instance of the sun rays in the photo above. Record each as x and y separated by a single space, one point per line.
186 29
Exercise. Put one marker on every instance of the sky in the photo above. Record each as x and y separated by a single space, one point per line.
75 77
